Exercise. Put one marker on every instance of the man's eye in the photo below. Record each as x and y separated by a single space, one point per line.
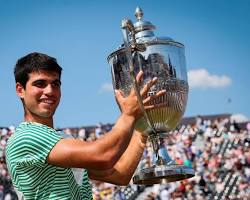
40 84
56 84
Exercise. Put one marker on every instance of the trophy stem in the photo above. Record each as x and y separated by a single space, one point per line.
164 169
160 152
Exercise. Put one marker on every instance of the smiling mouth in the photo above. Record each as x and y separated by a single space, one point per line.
48 101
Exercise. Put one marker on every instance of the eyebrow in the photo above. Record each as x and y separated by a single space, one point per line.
43 80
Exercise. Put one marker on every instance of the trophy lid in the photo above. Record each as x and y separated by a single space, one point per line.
141 25
142 28
143 33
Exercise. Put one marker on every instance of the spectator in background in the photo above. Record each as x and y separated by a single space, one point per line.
98 130
82 134
238 153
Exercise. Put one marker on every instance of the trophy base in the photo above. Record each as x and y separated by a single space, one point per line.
162 174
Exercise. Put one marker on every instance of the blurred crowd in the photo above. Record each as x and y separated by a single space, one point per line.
6 190
217 149
219 152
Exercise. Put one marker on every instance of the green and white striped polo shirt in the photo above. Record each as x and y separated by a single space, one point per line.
26 153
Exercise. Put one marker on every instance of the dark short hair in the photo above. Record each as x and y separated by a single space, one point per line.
34 62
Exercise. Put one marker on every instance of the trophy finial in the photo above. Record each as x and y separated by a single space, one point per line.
138 13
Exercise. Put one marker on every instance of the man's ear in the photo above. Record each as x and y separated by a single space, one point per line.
19 90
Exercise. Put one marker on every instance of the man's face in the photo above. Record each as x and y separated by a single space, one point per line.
41 95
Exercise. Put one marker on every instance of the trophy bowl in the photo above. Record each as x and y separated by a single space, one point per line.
160 57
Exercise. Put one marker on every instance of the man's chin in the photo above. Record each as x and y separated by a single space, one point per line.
47 114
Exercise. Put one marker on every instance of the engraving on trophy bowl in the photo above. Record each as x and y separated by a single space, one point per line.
171 107
160 57
166 116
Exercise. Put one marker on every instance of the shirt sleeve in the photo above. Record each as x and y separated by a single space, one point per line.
34 146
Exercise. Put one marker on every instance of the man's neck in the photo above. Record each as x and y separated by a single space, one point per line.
46 121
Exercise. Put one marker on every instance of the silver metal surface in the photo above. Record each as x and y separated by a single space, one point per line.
167 63
129 28
160 57
163 174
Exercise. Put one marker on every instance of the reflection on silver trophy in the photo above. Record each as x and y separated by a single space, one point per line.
160 57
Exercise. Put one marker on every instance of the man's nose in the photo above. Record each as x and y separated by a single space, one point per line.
48 89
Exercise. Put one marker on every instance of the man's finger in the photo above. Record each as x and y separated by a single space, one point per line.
139 76
153 97
147 87
119 94
138 80
160 105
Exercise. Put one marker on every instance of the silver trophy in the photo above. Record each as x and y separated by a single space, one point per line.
160 57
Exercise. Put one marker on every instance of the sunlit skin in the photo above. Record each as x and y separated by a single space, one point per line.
112 158
41 96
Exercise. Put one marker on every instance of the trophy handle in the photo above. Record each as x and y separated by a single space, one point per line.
130 44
